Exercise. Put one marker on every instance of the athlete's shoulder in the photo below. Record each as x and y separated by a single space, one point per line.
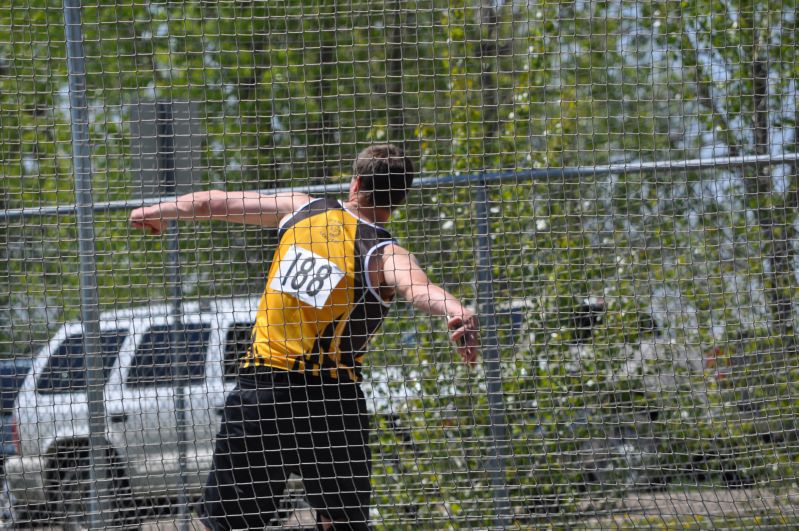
312 207
393 247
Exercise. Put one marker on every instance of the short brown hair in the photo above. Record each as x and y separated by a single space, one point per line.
386 174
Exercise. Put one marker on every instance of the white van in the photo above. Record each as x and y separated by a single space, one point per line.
141 397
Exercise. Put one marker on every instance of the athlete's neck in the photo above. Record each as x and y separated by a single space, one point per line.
371 214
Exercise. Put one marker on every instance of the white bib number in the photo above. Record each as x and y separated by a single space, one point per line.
306 276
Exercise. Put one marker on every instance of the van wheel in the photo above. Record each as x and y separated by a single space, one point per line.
68 491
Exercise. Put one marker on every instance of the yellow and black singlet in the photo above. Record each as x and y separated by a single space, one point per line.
319 309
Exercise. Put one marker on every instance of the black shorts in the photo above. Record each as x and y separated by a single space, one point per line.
277 425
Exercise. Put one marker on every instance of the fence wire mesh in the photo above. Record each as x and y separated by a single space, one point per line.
610 186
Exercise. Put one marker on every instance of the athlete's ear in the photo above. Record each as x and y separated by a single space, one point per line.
356 184
355 187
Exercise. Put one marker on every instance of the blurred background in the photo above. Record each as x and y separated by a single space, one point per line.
612 184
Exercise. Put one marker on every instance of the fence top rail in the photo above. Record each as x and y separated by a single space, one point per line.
533 174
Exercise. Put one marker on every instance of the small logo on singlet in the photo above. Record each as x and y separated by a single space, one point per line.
332 232
306 276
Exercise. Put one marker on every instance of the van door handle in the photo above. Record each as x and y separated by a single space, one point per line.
117 419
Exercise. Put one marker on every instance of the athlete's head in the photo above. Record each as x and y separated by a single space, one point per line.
385 174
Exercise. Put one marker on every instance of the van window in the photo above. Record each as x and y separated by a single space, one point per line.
152 363
12 374
65 370
238 341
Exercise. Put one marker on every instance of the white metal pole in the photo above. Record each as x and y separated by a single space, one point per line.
89 299
491 361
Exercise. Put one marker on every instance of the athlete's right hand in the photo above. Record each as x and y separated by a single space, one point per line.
149 219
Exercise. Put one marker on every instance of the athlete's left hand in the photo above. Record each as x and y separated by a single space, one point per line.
464 331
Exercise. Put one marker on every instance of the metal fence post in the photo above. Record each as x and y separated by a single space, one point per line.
90 312
491 361
179 370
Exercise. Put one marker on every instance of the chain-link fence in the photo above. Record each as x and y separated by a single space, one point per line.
611 186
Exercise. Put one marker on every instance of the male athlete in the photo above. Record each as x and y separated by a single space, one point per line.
298 405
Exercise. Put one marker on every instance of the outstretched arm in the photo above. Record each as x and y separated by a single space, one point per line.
234 207
402 273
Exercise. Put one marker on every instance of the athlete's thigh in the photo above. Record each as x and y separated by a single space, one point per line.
337 463
246 479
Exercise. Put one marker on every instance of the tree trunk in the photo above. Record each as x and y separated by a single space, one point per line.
327 151
395 100
489 58
776 226
775 222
